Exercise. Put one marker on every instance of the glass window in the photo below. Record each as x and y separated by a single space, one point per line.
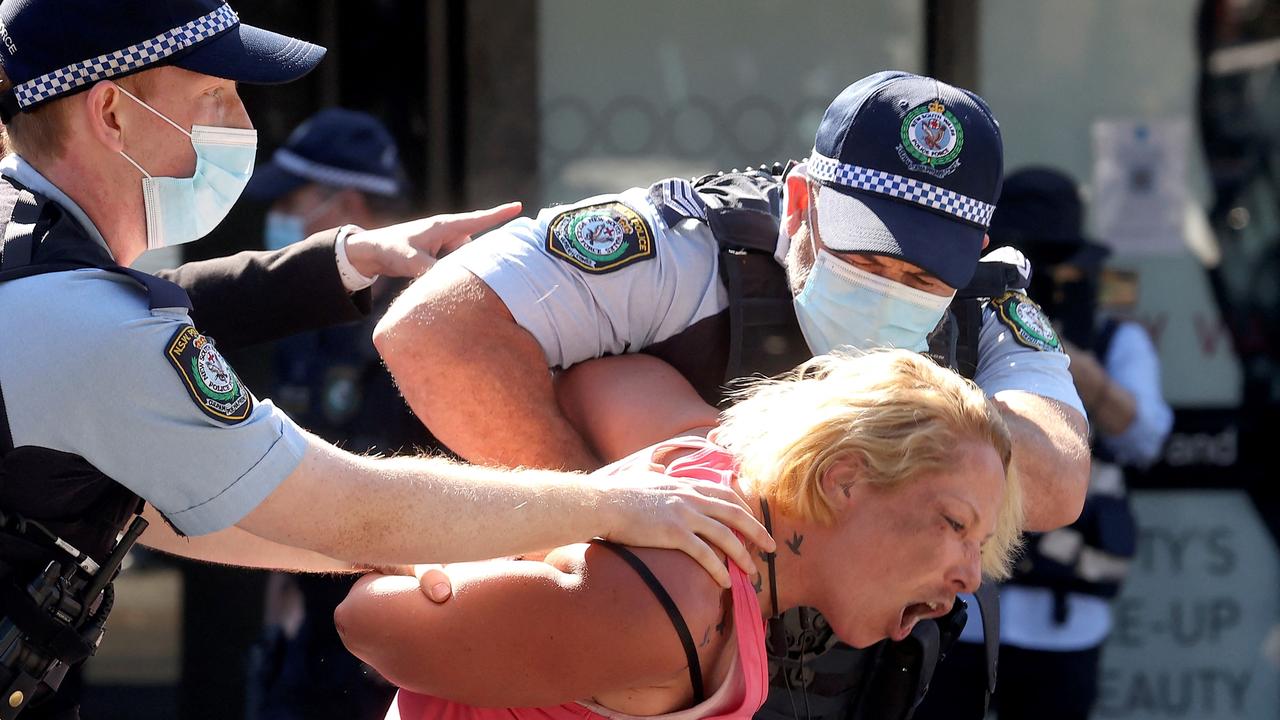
634 92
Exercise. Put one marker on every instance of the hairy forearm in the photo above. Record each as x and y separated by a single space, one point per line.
234 546
389 511
474 376
1050 455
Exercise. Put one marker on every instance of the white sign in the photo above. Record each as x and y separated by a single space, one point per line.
1140 184
1193 622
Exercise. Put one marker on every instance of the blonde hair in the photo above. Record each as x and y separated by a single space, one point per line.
896 413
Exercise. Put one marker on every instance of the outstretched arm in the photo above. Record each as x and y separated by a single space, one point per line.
299 288
395 511
283 292
531 634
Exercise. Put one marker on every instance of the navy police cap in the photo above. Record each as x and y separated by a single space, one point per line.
910 168
336 147
52 48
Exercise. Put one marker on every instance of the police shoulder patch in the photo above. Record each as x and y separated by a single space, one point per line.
213 385
600 238
1027 321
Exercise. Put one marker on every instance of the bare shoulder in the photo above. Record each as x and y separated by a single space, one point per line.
700 600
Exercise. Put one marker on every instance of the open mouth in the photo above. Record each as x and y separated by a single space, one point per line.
913 613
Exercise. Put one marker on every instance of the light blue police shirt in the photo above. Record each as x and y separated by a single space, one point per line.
84 370
577 315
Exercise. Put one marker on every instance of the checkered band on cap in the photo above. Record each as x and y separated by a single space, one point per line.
329 175
904 188
147 52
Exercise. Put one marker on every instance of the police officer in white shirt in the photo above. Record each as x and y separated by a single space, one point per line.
866 244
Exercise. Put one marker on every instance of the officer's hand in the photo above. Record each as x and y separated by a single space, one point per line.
655 510
435 583
411 248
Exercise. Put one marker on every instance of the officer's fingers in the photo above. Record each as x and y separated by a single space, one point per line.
728 507
695 547
722 538
470 223
419 264
434 582
451 243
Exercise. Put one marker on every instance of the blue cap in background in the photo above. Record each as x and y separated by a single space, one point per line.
335 147
53 48
910 168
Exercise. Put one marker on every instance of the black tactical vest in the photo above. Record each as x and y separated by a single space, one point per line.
64 494
813 675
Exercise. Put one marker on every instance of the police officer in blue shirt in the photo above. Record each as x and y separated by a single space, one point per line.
127 133
338 166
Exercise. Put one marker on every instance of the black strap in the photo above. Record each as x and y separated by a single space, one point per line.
988 597
673 612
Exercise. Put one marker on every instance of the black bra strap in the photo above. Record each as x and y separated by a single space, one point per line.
673 612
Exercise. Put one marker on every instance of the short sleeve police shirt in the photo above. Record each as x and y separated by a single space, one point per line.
600 277
89 369
578 311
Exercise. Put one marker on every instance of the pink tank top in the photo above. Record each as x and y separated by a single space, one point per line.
744 689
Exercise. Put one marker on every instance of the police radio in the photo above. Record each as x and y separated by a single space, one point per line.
57 619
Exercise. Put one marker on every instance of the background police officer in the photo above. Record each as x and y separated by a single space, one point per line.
876 232
128 133
1056 610
338 166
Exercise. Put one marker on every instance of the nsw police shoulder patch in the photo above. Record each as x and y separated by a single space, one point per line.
1026 321
600 238
213 385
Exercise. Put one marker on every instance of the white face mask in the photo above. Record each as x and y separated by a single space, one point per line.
844 305
180 210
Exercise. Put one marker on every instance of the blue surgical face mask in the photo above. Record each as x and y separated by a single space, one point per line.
844 305
283 230
180 210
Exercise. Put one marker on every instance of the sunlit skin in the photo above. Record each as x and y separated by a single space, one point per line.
587 628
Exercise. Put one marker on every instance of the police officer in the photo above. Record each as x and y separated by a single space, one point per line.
868 244
128 133
338 166
1057 607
